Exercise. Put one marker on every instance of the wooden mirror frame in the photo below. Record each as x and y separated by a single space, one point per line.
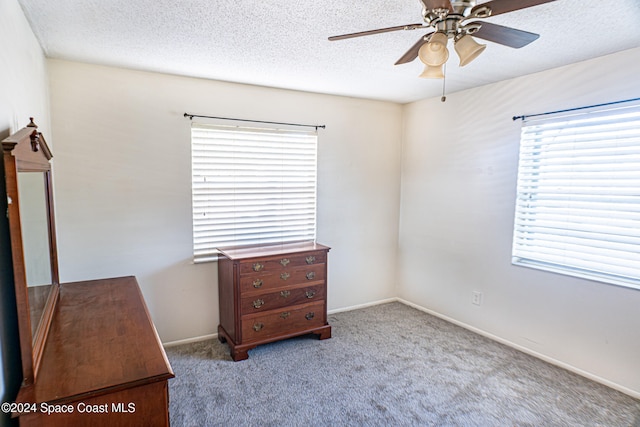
27 151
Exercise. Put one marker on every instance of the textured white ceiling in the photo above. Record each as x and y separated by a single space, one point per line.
283 43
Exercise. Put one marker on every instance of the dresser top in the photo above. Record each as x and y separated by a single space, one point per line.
238 253
101 339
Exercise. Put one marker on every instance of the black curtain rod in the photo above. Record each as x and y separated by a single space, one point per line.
575 109
191 116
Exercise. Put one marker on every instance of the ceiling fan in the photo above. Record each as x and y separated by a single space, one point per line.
457 20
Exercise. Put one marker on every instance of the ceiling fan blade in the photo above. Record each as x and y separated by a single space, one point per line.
437 4
503 6
504 35
412 53
378 31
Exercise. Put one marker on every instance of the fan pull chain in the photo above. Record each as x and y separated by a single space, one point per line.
444 77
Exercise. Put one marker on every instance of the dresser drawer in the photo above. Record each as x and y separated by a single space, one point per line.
282 262
283 278
281 322
256 303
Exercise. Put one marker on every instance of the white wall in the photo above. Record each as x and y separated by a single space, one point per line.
24 86
123 192
122 171
23 93
458 192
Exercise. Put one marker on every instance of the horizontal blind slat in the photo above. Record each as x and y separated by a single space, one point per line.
578 194
251 186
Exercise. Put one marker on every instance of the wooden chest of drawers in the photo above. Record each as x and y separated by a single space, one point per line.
269 293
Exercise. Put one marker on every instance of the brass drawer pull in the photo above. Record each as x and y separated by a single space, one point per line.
285 315
285 276
310 294
257 266
310 259
258 303
257 283
285 294
310 315
258 326
311 275
284 262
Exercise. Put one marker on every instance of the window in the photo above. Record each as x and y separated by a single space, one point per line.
578 198
251 186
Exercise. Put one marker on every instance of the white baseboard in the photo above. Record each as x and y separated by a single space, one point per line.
338 310
359 306
526 350
493 337
189 340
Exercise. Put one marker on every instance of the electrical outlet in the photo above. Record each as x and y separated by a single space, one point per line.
476 298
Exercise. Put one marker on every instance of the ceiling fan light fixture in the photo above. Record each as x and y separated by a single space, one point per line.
434 52
468 49
432 72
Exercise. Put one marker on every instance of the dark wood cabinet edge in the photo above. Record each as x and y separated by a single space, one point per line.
155 331
228 251
25 395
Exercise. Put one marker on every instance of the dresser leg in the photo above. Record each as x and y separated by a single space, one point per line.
237 352
324 333
238 355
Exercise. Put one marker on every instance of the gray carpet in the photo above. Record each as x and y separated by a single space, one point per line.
388 365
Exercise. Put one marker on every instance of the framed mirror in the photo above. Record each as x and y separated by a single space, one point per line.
26 158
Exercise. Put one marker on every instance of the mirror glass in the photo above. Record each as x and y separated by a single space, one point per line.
34 224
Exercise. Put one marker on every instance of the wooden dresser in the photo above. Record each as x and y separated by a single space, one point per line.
90 353
269 293
103 363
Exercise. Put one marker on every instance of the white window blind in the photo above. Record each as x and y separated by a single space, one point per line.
578 198
251 186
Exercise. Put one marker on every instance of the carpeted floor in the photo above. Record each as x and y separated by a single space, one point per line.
387 365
